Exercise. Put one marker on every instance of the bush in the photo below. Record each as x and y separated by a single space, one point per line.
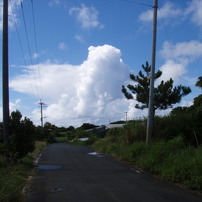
134 131
187 124
21 140
172 160
114 134
155 154
184 167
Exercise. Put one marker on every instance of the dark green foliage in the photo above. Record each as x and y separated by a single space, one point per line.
186 124
21 139
49 126
87 126
165 94
178 110
199 82
75 136
172 160
118 122
114 134
14 176
198 102
134 131
183 120
70 128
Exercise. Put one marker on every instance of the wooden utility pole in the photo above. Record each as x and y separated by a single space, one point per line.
5 74
150 121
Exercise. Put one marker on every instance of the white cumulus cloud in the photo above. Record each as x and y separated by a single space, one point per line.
195 9
168 11
189 50
86 16
177 59
90 91
13 8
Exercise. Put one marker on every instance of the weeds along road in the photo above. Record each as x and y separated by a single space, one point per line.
67 173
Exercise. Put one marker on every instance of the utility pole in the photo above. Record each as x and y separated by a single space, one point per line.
42 104
150 121
126 116
5 73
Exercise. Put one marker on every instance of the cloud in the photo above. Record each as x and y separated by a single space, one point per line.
173 70
54 3
168 11
189 50
62 46
90 91
13 7
35 55
86 16
177 58
15 105
79 38
195 9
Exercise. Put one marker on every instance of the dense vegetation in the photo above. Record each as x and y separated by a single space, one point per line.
175 153
14 175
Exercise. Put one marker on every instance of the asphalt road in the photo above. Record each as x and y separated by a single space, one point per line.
67 173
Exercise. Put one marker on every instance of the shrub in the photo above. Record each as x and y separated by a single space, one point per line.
186 124
134 131
21 140
138 149
153 157
184 167
114 134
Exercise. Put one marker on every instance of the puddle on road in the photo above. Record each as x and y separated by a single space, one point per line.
95 154
48 167
56 189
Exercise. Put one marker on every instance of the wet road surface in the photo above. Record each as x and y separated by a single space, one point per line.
67 173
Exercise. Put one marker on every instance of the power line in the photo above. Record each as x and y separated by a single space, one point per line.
29 49
171 50
138 3
21 48
36 46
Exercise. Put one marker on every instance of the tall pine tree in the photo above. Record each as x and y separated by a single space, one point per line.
165 94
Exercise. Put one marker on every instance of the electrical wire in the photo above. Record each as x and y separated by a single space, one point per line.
171 50
36 46
21 48
29 49
170 47
138 3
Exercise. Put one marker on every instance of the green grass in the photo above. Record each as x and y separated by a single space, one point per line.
61 139
14 176
172 160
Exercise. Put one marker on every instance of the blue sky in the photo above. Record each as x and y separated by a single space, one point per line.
85 50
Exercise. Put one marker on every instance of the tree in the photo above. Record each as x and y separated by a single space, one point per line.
165 94
22 136
199 82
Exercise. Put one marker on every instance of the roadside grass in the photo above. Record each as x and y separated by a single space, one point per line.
61 139
171 160
14 175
